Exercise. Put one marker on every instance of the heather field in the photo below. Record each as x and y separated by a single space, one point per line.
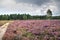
33 30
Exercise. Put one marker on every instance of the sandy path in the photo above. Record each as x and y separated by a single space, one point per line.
3 30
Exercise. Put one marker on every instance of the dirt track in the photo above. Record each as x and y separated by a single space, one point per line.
3 30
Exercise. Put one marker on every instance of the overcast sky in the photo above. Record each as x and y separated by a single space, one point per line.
32 7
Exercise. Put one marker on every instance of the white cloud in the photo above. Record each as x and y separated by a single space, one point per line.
8 2
10 6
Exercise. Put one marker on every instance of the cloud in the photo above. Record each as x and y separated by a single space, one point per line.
37 2
57 0
32 7
6 3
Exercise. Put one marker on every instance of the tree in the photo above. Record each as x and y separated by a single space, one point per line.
49 14
4 17
24 17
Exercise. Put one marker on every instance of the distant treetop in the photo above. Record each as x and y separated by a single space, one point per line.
49 12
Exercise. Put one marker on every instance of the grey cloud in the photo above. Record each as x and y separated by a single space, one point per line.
37 2
58 4
57 0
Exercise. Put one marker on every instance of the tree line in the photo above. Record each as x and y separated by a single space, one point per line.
24 17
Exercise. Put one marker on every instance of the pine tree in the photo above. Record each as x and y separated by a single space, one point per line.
49 14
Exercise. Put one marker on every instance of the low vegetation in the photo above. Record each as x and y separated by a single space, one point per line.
2 22
33 30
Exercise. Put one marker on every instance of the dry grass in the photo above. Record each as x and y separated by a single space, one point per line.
2 22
